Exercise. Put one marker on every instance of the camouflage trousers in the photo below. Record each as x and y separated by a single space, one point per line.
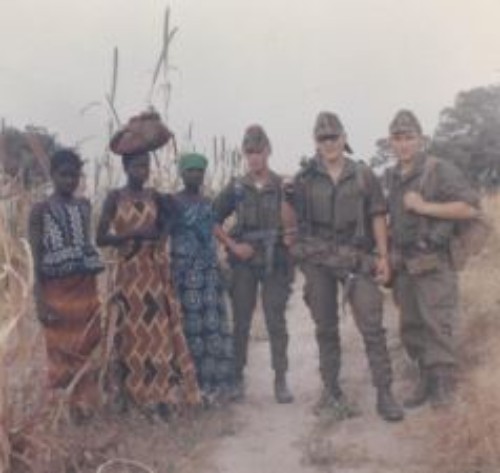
428 304
275 289
365 299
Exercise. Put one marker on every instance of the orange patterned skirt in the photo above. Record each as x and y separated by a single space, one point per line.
74 336
155 362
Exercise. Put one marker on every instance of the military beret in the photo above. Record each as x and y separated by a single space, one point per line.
405 121
255 140
328 124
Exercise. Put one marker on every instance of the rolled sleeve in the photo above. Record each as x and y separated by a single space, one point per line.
377 203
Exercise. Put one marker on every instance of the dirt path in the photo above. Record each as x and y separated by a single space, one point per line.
272 438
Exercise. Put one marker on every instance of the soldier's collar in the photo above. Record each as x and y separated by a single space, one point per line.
272 181
417 169
348 170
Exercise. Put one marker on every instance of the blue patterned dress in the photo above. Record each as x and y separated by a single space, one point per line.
198 283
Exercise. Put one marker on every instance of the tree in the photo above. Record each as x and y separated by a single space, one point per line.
25 154
383 157
469 135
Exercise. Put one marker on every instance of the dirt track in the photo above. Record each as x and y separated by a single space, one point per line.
272 438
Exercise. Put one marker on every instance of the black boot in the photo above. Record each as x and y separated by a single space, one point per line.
421 391
387 406
331 397
238 391
443 386
282 393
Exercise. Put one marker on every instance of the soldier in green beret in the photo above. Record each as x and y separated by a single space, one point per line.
427 196
258 256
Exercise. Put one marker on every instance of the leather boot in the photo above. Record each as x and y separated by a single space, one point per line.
331 397
421 391
282 393
387 406
238 390
443 386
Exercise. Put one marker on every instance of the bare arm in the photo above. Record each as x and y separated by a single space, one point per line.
380 233
104 237
35 229
223 237
445 210
290 223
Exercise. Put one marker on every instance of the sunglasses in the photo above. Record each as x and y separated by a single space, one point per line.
323 138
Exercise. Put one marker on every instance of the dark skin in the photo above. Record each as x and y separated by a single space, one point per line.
137 170
65 180
193 180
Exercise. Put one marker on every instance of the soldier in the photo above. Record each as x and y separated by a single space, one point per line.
427 196
341 214
257 256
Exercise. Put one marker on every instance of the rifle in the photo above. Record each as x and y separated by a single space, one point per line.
268 240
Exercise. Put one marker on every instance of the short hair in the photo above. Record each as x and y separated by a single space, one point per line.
66 156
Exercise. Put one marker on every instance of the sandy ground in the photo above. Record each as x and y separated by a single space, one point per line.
269 437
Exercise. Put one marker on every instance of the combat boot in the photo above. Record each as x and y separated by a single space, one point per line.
282 393
443 387
238 389
331 397
421 391
387 406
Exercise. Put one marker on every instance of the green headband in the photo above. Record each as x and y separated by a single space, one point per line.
192 161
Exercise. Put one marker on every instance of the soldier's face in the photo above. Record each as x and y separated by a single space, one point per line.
331 147
257 161
406 145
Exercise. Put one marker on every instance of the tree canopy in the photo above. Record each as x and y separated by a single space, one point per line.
468 133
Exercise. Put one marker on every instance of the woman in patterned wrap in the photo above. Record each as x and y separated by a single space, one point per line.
66 265
198 283
156 370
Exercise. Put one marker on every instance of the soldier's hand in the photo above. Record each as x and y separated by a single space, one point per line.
382 270
288 187
242 251
414 202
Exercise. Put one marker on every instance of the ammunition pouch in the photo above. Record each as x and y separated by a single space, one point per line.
422 263
343 259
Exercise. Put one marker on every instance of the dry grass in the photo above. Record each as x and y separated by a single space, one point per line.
466 438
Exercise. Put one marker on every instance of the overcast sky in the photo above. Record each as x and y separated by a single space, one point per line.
275 62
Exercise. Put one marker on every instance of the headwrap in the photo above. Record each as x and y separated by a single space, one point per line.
192 161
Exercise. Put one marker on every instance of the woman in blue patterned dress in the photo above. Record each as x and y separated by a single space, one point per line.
198 283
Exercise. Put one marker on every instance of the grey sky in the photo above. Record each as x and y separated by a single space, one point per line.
277 62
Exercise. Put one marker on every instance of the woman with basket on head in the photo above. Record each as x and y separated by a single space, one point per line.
155 368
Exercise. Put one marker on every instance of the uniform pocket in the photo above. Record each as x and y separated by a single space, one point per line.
347 207
321 198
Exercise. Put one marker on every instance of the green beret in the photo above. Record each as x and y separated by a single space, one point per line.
192 161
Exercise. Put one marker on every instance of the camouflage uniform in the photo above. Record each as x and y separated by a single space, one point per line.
425 284
258 222
336 245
